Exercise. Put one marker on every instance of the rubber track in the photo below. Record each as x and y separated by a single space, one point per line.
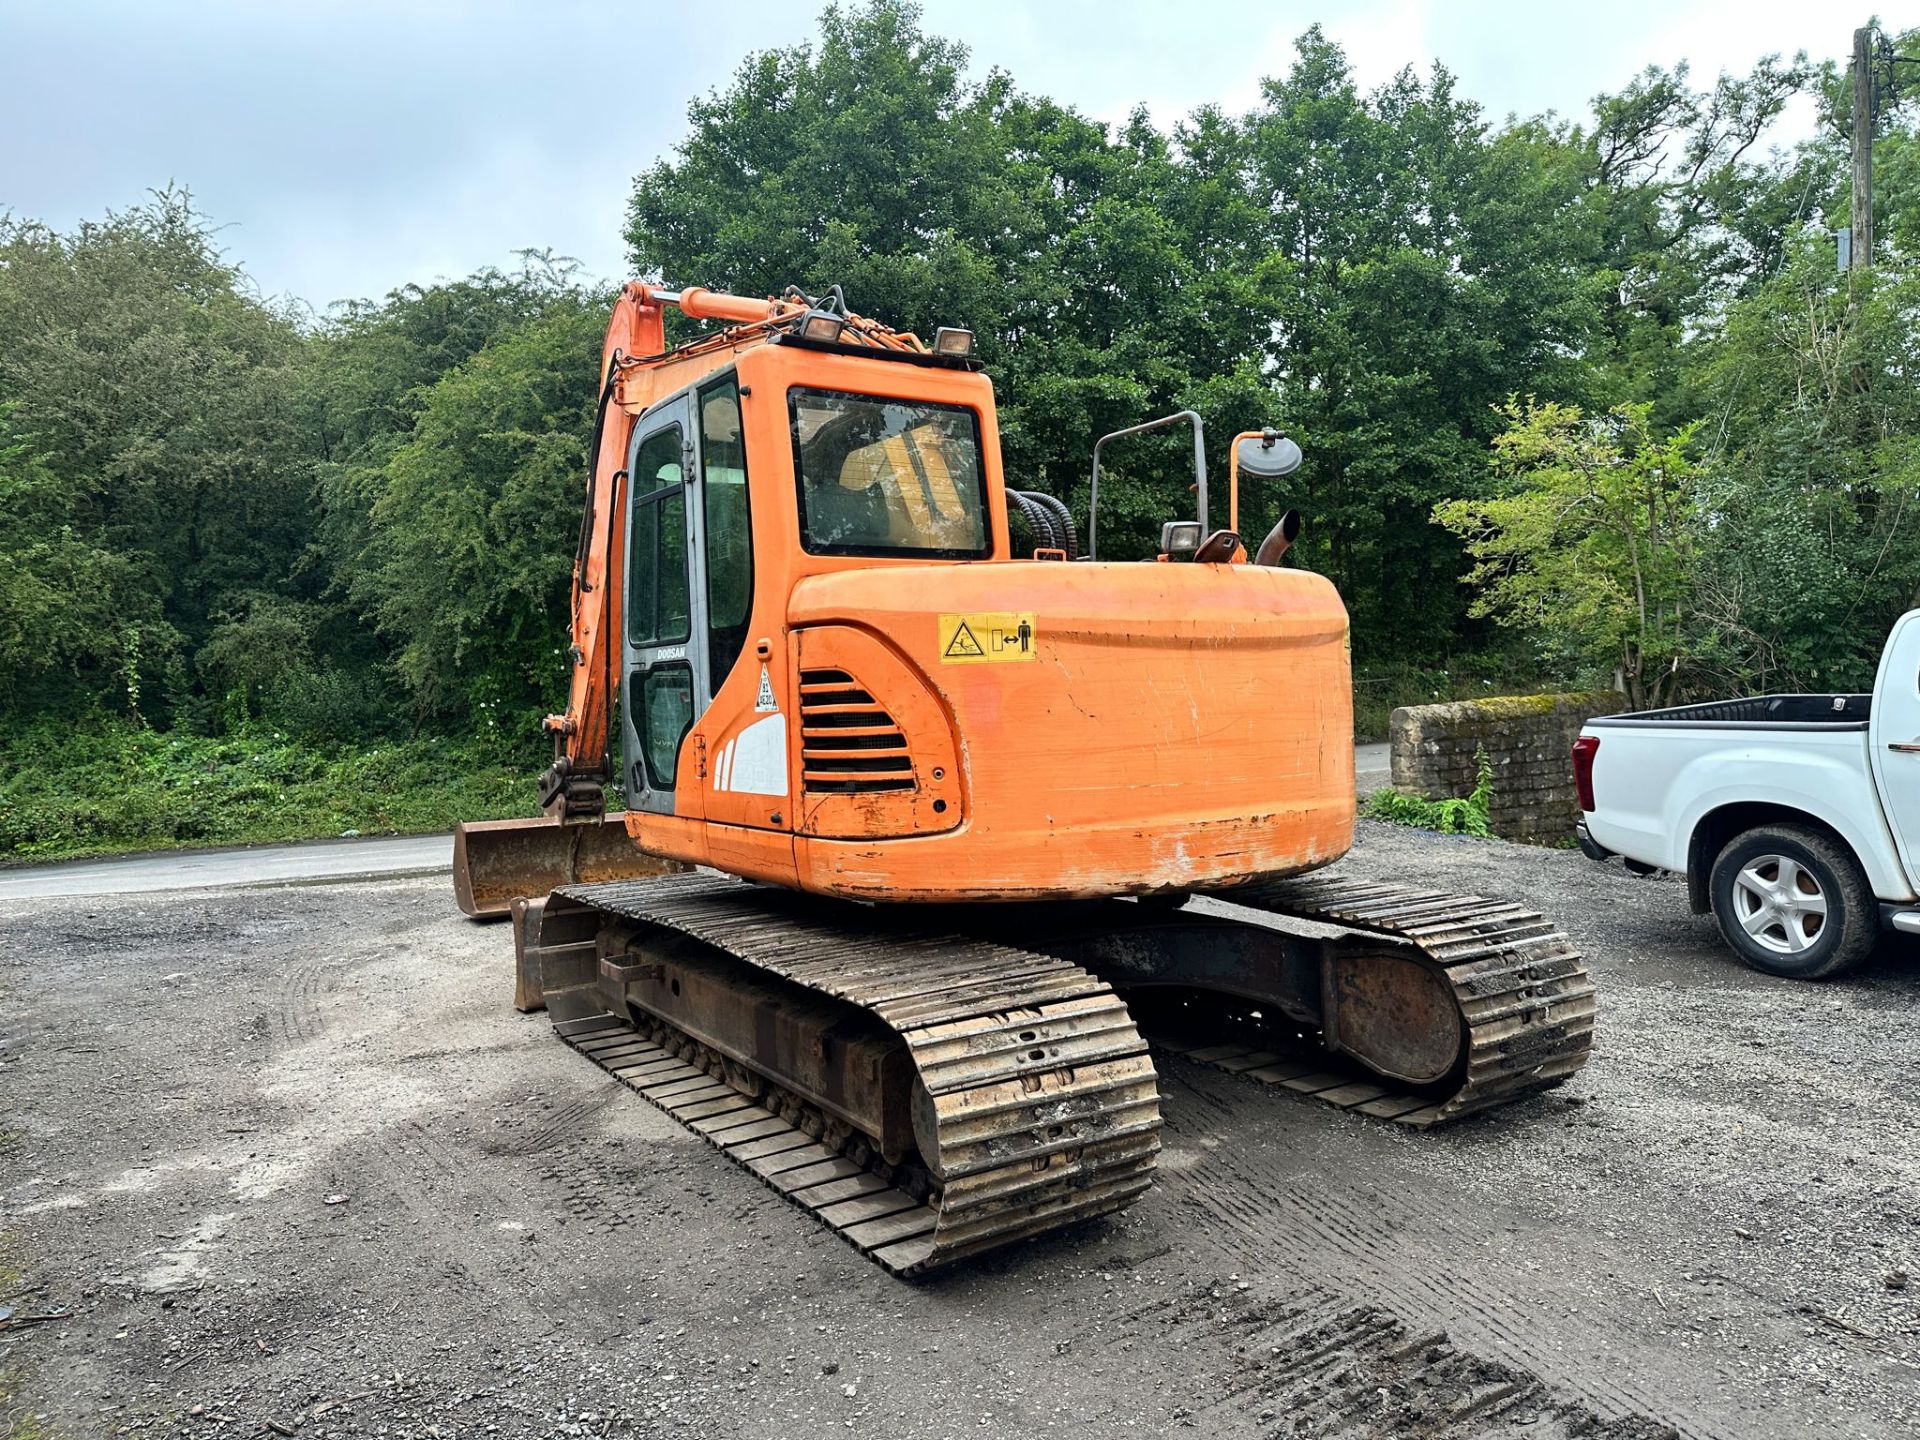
1046 1100
1521 987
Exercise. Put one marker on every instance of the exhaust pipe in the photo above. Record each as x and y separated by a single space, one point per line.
1279 539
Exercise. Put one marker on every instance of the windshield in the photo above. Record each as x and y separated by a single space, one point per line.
888 477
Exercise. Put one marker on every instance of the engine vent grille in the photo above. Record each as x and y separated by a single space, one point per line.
849 744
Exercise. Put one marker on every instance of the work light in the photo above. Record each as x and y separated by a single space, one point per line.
1179 537
953 342
822 326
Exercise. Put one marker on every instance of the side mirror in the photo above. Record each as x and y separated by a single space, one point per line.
1268 455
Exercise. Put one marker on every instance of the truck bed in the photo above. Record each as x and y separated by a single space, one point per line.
1796 712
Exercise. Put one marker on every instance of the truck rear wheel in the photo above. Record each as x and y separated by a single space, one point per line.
1792 901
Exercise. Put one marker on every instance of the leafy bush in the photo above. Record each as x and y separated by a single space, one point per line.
1463 816
120 787
1592 544
336 703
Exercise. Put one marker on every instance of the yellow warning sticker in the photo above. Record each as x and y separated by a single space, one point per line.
983 638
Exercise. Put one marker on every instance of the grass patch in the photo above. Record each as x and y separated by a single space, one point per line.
1467 815
16 1422
13 1275
118 788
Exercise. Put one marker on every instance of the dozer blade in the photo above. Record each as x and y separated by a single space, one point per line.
496 862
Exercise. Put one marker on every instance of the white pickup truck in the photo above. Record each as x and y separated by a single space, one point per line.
1795 818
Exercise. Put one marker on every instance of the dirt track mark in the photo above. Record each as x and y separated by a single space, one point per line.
408 1169
1313 1362
563 1126
1499 1287
303 986
1315 1367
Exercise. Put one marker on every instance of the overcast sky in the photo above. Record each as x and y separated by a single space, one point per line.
353 145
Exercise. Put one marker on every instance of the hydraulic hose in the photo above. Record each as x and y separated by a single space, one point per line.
1065 538
1039 519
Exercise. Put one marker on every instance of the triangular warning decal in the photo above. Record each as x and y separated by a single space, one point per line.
764 701
963 643
987 637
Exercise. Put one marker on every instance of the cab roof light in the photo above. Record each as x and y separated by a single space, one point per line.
821 326
1179 537
953 342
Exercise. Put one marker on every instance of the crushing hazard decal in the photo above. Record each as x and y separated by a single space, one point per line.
986 637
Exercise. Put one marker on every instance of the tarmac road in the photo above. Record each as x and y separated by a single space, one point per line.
1372 766
246 865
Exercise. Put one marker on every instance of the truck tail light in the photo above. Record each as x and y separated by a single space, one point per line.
1584 749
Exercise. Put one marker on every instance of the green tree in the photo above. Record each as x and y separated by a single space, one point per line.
218 510
75 617
468 560
1419 271
1811 485
376 373
1108 277
155 393
869 164
1681 213
1252 269
1590 545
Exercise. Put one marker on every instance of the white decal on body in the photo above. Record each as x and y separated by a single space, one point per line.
754 762
764 701
760 758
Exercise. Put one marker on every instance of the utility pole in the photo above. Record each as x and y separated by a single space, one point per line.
1861 253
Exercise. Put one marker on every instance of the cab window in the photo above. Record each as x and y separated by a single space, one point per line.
881 476
657 548
666 714
729 529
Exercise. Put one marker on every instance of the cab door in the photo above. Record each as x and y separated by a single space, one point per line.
744 737
663 672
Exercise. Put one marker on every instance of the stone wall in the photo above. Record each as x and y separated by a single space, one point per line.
1527 737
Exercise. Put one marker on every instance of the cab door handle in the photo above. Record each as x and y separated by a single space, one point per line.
1905 747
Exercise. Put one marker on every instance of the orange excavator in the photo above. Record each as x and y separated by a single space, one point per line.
919 831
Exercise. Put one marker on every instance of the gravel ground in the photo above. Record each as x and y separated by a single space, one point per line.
283 1161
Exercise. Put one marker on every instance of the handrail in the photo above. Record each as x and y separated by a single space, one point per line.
1199 470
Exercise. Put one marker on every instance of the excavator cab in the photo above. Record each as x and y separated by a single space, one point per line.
837 676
